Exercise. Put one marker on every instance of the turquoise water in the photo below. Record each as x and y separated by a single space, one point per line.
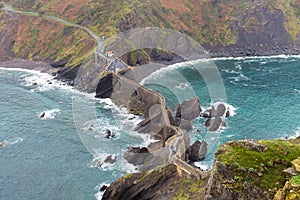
265 93
45 158
54 158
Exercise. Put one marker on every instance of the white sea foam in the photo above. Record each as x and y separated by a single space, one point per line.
230 108
99 194
202 166
230 71
296 134
49 114
120 164
297 91
13 141
183 86
240 77
255 58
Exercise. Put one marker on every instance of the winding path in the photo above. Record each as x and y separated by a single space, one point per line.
89 31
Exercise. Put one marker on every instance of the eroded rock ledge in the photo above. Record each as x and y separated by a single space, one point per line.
245 169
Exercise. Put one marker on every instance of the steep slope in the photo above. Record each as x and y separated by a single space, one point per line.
228 27
37 38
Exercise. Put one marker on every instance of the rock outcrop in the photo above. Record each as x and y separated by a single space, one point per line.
161 183
197 151
246 169
252 169
189 110
137 155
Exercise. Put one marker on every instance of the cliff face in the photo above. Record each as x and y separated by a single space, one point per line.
232 27
245 169
254 170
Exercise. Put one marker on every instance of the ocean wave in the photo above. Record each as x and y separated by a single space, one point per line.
48 114
119 164
12 141
296 134
240 77
202 166
297 91
99 193
255 58
183 86
229 107
230 71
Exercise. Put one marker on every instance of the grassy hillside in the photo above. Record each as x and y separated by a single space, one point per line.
208 21
36 38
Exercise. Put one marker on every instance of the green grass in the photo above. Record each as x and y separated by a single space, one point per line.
295 180
260 168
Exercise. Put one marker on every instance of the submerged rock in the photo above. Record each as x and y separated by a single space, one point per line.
42 115
109 134
2 144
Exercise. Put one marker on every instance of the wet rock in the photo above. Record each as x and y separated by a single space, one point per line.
197 151
227 114
189 110
91 128
111 159
34 83
207 123
215 124
206 114
42 115
184 124
2 144
103 188
109 134
219 111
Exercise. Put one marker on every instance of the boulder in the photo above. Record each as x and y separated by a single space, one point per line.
189 110
227 113
215 124
2 144
184 124
103 188
206 114
197 151
136 155
42 115
207 123
218 111
110 159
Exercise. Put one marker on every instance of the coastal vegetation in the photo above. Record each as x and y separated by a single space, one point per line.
226 28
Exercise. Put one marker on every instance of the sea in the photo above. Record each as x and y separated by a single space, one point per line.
60 156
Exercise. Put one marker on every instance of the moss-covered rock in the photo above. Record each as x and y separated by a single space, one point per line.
244 171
